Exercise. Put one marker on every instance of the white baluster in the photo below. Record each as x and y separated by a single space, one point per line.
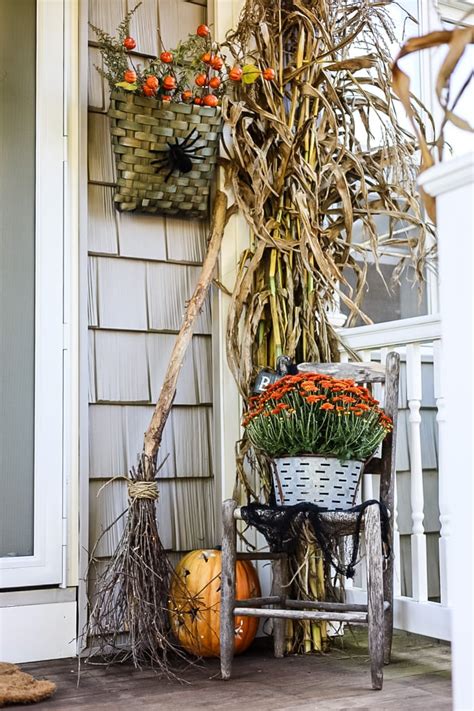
418 540
397 576
444 485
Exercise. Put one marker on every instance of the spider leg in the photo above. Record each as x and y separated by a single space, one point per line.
160 162
190 144
185 142
193 157
169 174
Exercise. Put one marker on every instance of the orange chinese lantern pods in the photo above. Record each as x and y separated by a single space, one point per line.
129 76
129 43
166 97
217 63
215 83
200 80
206 58
152 82
169 82
203 31
268 74
235 74
197 100
195 599
187 95
148 91
210 100
166 57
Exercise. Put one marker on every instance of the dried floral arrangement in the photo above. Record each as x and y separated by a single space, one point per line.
195 72
311 413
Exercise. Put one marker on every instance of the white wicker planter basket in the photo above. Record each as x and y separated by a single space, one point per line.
324 481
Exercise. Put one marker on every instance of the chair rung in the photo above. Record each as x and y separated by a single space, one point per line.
259 601
327 606
301 614
260 555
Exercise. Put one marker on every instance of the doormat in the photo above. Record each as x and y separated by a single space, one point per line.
17 687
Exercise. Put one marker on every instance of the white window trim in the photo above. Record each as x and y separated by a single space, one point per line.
45 566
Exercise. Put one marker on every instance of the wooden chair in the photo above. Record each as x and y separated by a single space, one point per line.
378 612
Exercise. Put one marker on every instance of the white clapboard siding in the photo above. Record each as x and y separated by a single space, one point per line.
143 27
121 368
101 163
142 236
429 440
117 439
102 225
91 367
106 14
105 506
186 240
135 422
177 19
92 311
432 555
197 363
192 513
121 293
169 287
95 94
108 455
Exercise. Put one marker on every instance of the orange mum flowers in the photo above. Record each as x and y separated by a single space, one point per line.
289 418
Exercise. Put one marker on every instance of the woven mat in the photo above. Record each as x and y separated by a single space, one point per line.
16 687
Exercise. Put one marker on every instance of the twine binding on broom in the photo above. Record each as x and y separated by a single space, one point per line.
142 490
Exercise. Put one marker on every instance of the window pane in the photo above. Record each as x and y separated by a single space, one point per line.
17 275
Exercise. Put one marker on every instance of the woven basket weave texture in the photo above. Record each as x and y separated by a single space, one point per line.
141 125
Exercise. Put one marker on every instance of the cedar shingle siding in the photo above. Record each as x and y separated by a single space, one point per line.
142 269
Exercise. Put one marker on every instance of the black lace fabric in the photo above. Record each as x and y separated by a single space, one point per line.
282 527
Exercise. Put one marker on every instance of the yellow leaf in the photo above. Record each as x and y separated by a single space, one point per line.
250 73
127 86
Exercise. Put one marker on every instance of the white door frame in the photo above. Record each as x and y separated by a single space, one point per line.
45 566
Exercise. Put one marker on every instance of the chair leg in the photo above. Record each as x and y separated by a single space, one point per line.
227 624
280 579
388 615
375 612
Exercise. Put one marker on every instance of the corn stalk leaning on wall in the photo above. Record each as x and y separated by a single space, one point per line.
314 155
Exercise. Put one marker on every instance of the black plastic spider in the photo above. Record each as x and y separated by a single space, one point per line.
179 156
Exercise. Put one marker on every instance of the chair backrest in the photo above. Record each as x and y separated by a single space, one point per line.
368 373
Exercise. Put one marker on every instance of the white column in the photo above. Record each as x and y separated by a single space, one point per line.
453 185
224 14
445 491
418 540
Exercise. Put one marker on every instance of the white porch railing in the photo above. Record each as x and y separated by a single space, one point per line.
417 340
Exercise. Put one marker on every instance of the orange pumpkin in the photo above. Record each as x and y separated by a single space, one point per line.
195 601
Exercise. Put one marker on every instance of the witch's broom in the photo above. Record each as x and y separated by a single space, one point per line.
131 596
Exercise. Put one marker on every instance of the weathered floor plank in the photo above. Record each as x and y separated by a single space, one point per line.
418 678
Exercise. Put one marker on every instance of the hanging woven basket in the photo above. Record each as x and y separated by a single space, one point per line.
143 129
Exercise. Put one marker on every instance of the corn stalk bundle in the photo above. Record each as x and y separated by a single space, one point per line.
315 157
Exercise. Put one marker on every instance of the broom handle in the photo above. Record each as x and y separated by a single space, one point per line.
154 433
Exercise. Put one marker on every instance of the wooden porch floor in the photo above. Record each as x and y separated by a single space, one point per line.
418 678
